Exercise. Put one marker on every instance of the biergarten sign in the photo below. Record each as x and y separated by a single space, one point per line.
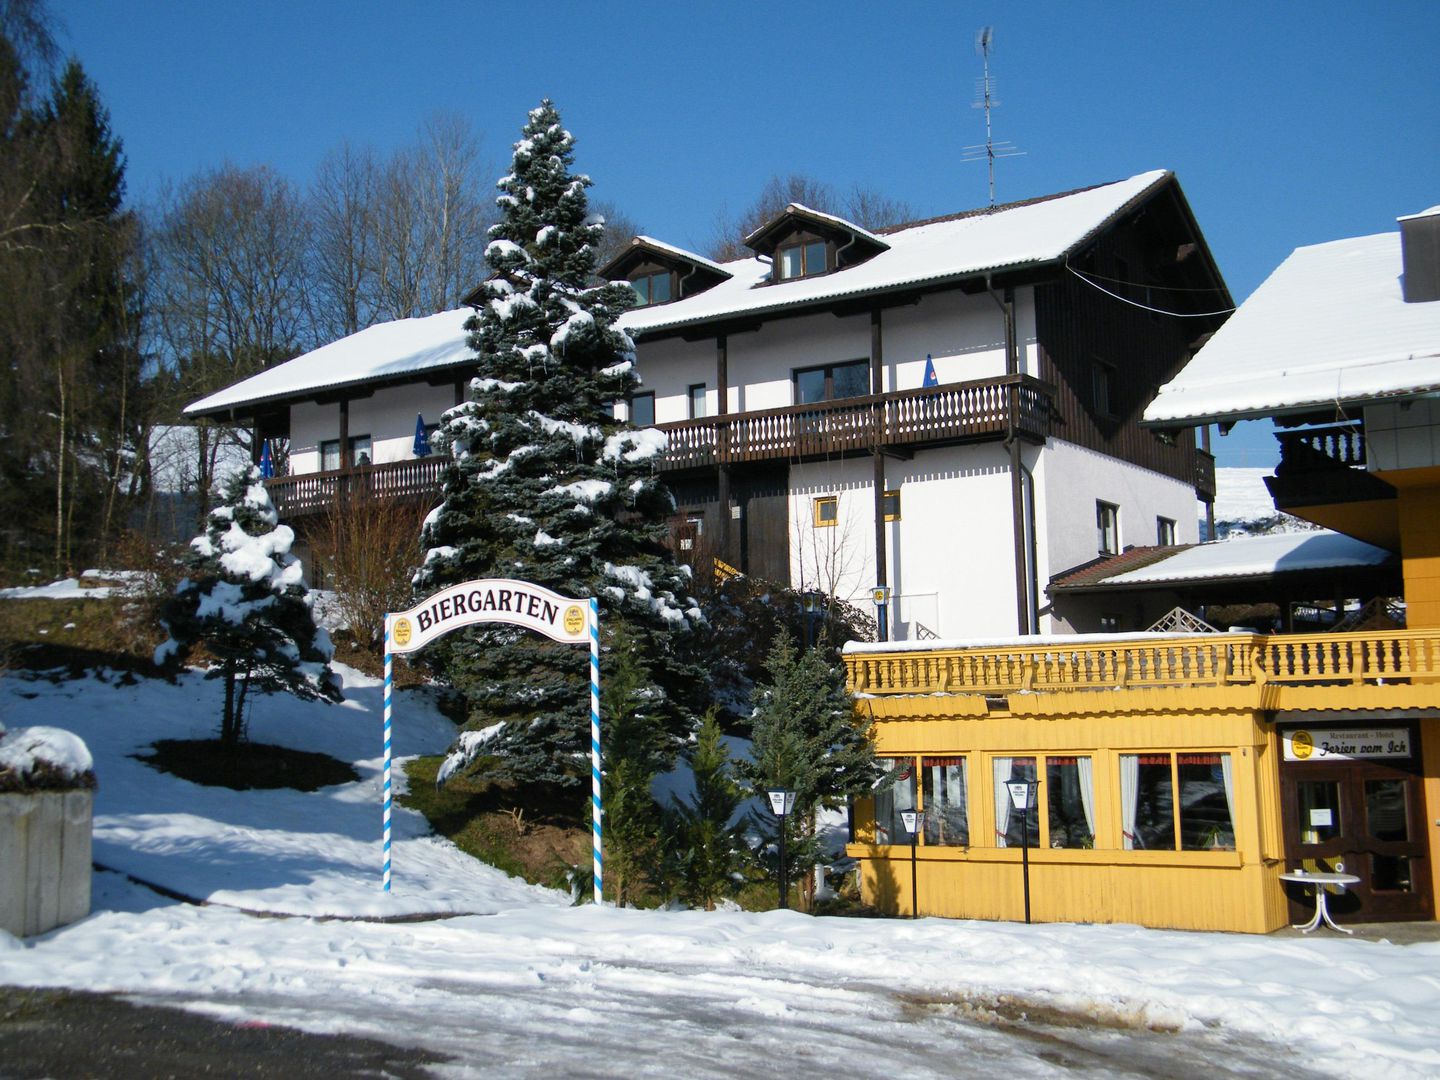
498 600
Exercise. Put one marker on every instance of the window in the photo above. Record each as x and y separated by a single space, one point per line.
1064 803
652 288
827 511
1152 817
1010 826
898 796
833 381
696 394
360 452
947 818
642 409
1101 376
1164 530
890 505
1107 528
1110 623
804 259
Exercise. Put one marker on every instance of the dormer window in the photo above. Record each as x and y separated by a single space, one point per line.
802 243
653 288
804 259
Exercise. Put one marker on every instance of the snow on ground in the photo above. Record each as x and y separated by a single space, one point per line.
525 985
1244 505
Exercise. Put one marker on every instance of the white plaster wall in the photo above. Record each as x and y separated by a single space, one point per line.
388 417
669 367
1070 479
760 363
951 557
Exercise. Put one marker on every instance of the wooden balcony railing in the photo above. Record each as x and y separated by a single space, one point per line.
1322 448
1205 475
957 412
309 493
1204 660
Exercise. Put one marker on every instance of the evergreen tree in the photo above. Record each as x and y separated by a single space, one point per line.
244 599
806 738
635 748
546 486
705 852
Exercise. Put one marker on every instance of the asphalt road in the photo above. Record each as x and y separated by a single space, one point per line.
64 1034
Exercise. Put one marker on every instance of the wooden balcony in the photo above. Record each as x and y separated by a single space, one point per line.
977 411
312 493
1377 658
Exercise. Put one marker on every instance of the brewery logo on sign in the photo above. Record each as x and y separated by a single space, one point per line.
1302 745
574 619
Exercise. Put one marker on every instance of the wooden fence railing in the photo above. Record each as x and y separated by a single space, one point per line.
308 493
1201 660
981 409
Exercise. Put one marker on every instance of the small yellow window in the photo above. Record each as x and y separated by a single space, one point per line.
891 505
827 511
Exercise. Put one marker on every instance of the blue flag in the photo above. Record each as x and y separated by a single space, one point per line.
930 379
422 437
267 463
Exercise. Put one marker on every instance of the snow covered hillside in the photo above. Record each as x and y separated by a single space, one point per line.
526 985
1243 506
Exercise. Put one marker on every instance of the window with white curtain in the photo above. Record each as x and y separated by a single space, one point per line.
1070 801
1201 818
947 820
1009 827
890 801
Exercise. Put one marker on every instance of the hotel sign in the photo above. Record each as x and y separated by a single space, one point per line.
1345 744
490 600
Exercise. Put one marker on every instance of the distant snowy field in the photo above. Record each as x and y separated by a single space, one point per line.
519 983
1242 497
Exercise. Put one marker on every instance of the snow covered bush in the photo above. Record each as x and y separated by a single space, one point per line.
244 600
546 486
44 759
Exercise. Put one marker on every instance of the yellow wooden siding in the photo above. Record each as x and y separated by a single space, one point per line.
1420 552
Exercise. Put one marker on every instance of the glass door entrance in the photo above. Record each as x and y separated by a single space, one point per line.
1365 813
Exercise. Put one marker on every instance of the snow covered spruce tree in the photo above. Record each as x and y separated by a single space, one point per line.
546 486
245 601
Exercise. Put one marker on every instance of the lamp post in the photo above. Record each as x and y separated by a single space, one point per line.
1022 796
914 821
782 801
810 604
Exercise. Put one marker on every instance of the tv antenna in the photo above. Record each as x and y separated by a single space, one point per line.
985 99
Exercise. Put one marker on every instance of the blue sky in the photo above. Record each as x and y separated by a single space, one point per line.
1287 123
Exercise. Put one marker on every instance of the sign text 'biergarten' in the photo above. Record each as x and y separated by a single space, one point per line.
492 600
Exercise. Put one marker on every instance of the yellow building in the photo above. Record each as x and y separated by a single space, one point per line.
1180 775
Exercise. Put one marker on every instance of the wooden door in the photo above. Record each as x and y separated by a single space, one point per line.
1370 817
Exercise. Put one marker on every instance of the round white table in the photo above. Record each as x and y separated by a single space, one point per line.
1318 881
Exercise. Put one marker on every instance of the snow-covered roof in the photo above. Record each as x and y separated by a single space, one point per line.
386 351
680 253
1328 326
1037 231
1040 231
1256 556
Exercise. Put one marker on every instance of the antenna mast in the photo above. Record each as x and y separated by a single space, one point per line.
985 99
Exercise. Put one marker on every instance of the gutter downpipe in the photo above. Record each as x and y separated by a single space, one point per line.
1023 560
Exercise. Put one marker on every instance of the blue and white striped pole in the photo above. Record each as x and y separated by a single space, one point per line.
385 876
595 740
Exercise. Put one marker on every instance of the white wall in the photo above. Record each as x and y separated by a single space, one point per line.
1070 479
950 556
388 417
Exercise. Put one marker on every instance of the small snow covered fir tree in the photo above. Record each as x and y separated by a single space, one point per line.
244 599
546 486
807 738
705 851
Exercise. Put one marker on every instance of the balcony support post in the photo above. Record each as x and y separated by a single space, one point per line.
877 389
722 449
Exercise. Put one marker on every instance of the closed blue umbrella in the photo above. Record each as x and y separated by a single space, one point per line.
267 463
930 379
422 437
